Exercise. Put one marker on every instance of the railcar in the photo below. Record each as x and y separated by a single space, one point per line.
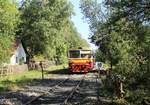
81 60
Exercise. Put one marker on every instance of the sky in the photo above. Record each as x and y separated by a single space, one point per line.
80 23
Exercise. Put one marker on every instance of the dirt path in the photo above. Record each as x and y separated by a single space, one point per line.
54 91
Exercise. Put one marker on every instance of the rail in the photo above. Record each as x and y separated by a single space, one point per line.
47 92
73 91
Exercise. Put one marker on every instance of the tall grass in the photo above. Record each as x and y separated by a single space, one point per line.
13 82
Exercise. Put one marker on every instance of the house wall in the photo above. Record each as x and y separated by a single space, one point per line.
18 55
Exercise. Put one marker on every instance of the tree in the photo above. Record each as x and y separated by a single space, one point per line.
46 28
122 34
8 23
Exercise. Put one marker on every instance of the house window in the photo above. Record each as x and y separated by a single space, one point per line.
16 59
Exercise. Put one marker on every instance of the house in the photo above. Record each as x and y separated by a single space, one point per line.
19 54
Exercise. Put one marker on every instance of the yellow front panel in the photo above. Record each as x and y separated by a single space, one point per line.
80 60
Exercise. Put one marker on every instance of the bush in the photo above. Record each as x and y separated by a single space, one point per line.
120 102
136 97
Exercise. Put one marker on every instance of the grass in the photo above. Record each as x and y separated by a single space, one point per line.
57 67
13 82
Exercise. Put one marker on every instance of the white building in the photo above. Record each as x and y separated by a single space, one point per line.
19 55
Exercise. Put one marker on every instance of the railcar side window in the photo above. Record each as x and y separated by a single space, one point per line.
74 54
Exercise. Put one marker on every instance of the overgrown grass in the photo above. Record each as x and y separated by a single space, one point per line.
133 96
13 82
106 87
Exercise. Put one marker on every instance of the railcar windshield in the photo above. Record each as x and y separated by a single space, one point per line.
86 56
74 54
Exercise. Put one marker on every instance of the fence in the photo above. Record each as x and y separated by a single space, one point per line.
12 69
4 71
36 64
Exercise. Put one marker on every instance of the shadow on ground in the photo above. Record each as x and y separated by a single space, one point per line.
59 71
64 71
85 95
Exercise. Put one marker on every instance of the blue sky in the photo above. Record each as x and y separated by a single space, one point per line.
80 23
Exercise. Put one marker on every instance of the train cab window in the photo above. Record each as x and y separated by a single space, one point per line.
85 55
74 54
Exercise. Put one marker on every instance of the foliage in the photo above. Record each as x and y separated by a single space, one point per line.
122 34
99 56
8 22
120 102
46 29
5 43
44 26
137 96
9 17
39 58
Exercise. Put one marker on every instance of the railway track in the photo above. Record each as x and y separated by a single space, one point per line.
73 91
53 89
81 91
72 87
47 92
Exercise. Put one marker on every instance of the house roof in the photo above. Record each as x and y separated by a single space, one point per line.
15 45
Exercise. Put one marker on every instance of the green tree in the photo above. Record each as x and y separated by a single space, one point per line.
47 29
9 18
122 34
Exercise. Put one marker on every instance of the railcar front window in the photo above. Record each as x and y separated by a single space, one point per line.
85 55
74 54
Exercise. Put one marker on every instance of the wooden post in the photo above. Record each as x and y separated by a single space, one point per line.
42 69
1 71
121 89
